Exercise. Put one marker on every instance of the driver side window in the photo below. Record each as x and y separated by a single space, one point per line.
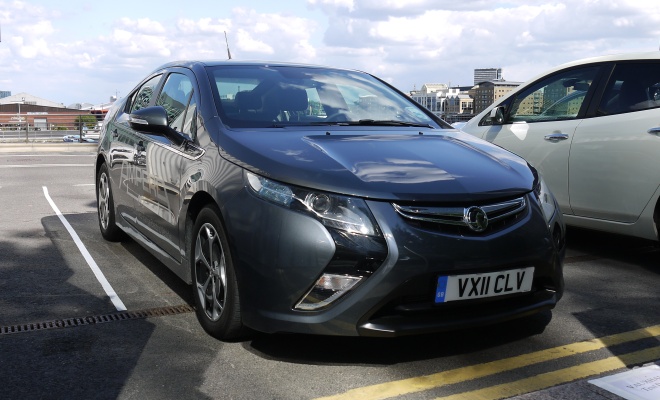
175 97
559 97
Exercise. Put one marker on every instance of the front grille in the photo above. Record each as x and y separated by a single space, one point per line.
464 220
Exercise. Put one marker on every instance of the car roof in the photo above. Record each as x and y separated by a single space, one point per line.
214 63
651 55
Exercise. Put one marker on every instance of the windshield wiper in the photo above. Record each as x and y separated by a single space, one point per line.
372 122
362 122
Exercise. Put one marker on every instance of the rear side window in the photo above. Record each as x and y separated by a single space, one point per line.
631 87
558 97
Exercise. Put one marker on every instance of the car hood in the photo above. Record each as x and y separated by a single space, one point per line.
404 166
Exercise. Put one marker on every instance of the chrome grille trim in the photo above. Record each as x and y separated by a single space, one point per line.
456 215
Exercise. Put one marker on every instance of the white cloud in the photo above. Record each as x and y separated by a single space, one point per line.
332 5
204 25
406 42
38 29
247 43
144 26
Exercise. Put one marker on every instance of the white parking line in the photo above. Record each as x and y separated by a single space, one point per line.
119 305
45 165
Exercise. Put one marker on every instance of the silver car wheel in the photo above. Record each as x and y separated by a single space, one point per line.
104 206
210 272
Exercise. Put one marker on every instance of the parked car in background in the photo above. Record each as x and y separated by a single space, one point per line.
76 138
317 200
591 129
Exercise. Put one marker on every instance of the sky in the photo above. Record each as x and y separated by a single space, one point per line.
71 51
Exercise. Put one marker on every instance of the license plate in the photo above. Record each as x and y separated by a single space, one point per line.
476 286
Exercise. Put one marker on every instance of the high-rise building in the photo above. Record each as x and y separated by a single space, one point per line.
487 74
5 93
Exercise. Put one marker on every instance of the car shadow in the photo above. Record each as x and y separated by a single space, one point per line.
158 269
311 349
41 289
595 244
52 344
613 284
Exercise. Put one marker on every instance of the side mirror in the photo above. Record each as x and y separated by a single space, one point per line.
149 119
153 120
497 116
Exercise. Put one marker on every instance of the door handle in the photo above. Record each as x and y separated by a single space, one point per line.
556 137
654 131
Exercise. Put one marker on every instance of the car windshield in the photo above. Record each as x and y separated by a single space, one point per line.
279 96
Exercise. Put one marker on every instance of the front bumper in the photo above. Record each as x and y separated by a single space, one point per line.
398 299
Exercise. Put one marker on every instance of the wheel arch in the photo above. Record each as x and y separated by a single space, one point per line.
199 200
100 160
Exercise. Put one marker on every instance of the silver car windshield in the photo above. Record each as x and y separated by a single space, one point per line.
252 96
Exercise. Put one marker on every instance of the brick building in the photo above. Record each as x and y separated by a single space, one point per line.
39 114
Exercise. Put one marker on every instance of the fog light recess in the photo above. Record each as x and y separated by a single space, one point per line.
326 290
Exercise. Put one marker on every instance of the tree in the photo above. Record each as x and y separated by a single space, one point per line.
88 121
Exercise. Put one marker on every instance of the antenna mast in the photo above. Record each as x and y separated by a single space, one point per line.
227 42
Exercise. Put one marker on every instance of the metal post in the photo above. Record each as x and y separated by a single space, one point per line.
18 130
20 120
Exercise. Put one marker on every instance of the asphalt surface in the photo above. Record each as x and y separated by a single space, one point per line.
579 389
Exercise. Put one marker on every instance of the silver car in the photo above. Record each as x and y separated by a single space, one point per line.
591 129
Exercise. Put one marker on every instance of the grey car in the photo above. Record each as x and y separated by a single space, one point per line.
308 199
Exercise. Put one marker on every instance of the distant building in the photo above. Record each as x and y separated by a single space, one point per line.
486 93
432 96
455 104
449 103
487 74
460 107
5 93
23 108
26 98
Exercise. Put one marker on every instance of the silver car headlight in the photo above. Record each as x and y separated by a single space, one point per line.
336 211
546 199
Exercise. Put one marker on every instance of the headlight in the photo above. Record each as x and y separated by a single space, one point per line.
341 212
546 199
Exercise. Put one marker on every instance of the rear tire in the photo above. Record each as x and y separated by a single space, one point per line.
215 288
105 206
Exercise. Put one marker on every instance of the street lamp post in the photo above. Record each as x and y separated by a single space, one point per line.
20 120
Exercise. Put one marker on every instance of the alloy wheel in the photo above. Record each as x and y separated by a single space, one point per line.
104 206
210 272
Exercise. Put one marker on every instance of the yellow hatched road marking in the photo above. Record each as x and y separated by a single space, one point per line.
421 383
549 379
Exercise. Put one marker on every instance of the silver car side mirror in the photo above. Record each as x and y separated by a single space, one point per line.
497 116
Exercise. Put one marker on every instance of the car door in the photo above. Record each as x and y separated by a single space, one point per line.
541 121
613 165
124 161
160 201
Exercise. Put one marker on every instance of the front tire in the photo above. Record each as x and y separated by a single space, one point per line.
106 207
215 288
